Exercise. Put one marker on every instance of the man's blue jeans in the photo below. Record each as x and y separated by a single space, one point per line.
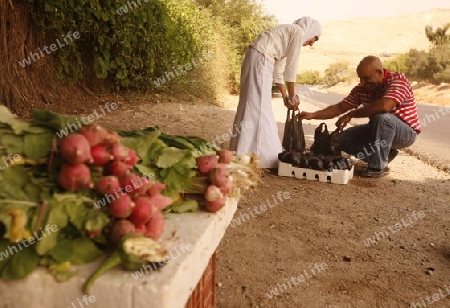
372 142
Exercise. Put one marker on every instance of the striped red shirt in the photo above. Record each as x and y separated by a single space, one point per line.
396 87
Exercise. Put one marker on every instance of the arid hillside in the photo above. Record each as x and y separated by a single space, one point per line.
351 40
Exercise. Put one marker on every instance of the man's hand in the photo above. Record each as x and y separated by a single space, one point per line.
342 121
306 115
292 102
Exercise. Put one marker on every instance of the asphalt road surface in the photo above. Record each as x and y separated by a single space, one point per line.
433 143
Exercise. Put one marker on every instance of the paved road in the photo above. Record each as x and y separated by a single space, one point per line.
432 145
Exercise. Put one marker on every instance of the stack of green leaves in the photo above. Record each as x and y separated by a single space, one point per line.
170 159
40 224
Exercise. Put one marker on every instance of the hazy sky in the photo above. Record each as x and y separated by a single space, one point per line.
286 11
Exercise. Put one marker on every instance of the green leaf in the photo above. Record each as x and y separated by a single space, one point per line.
21 263
12 191
54 121
178 176
36 130
56 216
189 160
96 220
171 193
141 144
33 192
170 156
76 212
4 253
62 252
61 271
37 146
84 251
17 204
185 206
14 145
62 276
151 173
154 151
16 175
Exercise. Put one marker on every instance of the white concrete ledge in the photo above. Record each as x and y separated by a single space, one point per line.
168 287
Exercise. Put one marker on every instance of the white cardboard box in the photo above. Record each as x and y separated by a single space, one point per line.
335 176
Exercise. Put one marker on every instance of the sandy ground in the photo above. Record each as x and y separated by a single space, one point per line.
311 249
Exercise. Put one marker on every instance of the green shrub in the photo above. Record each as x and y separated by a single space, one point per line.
335 73
244 21
443 76
309 77
140 45
397 64
439 63
128 43
417 63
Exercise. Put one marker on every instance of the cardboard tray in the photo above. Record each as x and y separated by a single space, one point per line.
334 177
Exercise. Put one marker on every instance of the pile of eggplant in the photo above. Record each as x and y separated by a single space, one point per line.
317 162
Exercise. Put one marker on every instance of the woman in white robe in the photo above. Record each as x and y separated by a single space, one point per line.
272 57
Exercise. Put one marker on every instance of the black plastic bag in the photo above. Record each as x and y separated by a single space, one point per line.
293 137
335 141
326 143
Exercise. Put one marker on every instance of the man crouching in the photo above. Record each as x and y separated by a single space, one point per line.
387 99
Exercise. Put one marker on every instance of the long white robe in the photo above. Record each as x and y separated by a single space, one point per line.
255 129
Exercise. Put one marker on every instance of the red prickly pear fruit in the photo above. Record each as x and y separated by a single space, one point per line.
118 168
143 210
121 207
75 177
218 176
141 229
144 183
206 163
100 155
75 149
132 158
215 206
225 156
108 184
119 152
156 189
227 187
161 201
213 193
94 134
150 188
130 182
155 226
121 228
111 137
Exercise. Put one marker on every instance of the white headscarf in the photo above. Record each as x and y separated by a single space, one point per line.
310 26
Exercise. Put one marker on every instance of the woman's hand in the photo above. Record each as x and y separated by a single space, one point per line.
292 102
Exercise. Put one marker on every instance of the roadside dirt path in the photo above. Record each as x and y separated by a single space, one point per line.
312 249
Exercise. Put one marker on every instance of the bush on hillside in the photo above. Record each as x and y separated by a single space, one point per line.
337 72
309 77
397 64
